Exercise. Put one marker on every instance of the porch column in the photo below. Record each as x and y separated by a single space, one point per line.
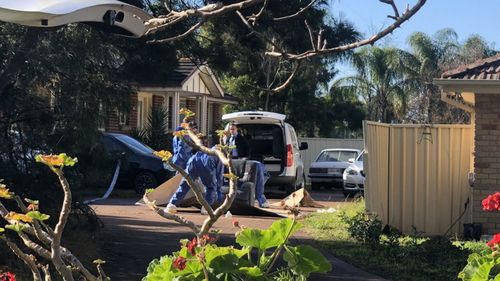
175 110
203 114
487 158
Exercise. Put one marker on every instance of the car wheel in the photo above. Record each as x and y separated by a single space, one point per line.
144 180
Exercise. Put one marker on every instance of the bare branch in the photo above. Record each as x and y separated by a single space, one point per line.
58 230
178 37
391 3
27 259
320 37
255 18
210 221
368 41
171 216
35 247
258 34
311 35
206 12
46 271
289 80
297 13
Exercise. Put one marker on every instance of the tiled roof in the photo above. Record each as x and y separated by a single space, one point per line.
483 69
181 72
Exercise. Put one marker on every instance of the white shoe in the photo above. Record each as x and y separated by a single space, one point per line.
171 208
265 204
203 211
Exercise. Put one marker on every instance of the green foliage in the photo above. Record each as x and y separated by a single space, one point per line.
272 237
198 259
397 256
36 215
364 227
304 257
17 227
481 267
155 133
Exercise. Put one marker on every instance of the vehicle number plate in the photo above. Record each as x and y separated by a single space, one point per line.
333 171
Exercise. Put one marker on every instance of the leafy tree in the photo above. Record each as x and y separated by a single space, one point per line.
380 82
251 76
431 56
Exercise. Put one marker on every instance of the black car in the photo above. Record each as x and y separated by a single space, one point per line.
140 168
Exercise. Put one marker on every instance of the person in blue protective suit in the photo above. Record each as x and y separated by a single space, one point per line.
182 151
262 177
209 170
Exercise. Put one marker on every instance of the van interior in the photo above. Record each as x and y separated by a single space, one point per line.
266 144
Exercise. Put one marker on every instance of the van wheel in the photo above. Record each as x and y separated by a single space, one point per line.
143 181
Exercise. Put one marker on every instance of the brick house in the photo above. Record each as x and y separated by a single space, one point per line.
475 88
189 85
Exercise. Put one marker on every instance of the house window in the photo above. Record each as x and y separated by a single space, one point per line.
122 118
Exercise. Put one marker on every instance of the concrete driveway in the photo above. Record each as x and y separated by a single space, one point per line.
134 235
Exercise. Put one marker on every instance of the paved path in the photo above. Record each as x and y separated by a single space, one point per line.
135 235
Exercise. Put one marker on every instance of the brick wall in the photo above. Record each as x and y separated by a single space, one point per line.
157 100
112 120
487 159
216 116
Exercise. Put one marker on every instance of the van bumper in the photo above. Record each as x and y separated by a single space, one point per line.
280 180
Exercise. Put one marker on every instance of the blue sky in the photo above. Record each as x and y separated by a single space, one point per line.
466 17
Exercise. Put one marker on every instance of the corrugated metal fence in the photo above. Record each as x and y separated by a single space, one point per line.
417 176
318 144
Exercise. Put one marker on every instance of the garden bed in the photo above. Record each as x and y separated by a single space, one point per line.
393 256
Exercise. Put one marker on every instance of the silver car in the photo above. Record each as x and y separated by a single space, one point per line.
354 177
329 166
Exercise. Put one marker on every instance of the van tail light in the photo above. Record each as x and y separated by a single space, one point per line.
289 155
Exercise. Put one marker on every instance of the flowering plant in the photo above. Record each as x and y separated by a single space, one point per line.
201 259
7 276
485 265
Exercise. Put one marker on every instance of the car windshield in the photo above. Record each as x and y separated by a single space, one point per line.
360 158
134 144
336 155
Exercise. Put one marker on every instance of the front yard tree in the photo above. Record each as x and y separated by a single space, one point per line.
252 76
257 16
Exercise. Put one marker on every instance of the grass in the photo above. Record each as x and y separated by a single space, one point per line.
395 257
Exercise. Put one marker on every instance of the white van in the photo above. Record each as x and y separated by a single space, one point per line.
273 142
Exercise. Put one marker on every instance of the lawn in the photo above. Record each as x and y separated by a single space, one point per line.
393 256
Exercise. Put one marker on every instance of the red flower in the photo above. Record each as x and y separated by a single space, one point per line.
7 276
191 246
180 263
207 238
494 241
492 202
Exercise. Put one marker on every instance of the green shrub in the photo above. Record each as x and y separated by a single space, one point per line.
364 227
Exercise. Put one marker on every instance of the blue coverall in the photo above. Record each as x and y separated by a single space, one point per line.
182 151
262 177
210 171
